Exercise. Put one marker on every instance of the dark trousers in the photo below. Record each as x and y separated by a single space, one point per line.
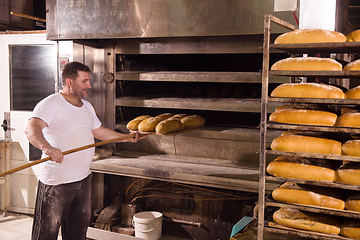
68 205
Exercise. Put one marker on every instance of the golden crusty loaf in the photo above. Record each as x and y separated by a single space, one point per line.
306 144
312 35
353 36
308 195
348 173
303 116
294 218
193 121
169 125
351 147
353 93
350 119
353 66
307 90
149 124
301 168
352 203
351 228
133 124
307 64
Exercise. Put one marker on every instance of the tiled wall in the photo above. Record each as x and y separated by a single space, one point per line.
11 22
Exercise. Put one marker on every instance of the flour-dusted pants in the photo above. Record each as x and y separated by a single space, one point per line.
68 205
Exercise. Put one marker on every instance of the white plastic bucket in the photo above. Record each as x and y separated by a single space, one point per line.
148 225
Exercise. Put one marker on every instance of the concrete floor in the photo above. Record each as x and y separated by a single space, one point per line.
15 226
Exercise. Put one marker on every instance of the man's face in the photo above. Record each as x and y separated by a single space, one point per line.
81 85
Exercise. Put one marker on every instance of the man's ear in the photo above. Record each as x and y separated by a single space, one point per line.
69 82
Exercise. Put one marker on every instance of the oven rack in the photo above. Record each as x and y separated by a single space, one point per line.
188 76
217 173
191 103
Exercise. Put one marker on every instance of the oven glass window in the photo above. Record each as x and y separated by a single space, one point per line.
32 74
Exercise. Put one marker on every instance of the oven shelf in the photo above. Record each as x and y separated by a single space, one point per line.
190 170
211 77
212 104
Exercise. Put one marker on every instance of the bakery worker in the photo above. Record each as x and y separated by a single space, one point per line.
60 122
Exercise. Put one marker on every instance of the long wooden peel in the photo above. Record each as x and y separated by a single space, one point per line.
65 153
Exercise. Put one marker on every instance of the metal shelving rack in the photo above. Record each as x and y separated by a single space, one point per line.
263 225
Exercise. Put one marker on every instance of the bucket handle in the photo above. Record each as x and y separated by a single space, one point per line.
146 230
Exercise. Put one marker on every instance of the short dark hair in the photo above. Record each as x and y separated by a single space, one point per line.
71 71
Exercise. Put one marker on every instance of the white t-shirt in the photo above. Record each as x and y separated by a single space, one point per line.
68 127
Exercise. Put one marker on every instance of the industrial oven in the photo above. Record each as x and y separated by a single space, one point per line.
165 56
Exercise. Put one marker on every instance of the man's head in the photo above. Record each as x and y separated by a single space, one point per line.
76 79
71 71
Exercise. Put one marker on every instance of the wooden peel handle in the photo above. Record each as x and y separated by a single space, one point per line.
65 153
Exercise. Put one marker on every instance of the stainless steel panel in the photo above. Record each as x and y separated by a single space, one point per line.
80 19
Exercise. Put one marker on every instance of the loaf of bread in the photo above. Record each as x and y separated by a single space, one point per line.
301 168
149 124
353 93
353 66
307 90
312 35
351 228
169 125
306 144
352 203
350 119
353 36
133 124
308 195
307 64
294 218
303 116
193 121
351 148
348 173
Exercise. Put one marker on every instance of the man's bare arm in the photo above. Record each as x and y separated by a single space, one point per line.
35 136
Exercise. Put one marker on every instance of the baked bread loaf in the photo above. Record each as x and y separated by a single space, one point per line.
307 64
307 90
351 148
133 124
312 35
351 229
306 144
350 119
149 124
308 195
348 173
301 168
352 66
353 93
294 218
352 203
353 36
169 125
303 116
193 121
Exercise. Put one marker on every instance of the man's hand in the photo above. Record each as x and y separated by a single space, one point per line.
137 137
54 153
